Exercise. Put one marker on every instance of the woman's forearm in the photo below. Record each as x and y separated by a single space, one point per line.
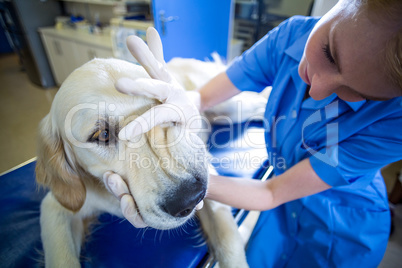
297 182
217 90
243 193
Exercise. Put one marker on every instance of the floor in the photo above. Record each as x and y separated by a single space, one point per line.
23 105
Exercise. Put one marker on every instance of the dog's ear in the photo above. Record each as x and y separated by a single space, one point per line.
54 170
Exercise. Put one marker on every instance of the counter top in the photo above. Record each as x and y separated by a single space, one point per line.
135 24
103 40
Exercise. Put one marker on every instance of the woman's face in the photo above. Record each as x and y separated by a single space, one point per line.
344 55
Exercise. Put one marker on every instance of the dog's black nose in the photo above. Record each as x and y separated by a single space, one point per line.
182 202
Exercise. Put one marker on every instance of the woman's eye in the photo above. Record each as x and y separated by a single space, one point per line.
327 53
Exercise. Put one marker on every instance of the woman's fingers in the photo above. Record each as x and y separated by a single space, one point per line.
157 115
155 44
130 212
116 185
176 106
144 56
150 88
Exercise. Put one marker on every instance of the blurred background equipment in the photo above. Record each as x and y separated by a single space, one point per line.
20 20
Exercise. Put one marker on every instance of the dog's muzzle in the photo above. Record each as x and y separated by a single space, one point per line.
183 201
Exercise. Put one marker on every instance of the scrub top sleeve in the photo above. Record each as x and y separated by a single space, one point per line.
360 156
257 67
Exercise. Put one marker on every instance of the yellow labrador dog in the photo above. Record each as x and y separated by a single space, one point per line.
166 173
165 169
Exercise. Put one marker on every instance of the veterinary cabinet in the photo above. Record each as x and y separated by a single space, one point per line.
86 53
60 53
68 49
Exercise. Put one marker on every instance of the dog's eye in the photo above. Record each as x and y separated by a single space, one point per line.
102 135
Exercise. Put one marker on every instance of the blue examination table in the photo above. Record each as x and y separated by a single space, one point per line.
114 242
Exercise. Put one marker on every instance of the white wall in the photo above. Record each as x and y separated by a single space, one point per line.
322 6
88 11
290 7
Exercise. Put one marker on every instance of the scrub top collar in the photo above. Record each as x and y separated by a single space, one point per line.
295 51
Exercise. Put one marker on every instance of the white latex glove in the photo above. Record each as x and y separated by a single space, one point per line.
177 105
115 184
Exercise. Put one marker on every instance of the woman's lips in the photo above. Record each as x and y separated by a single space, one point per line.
306 76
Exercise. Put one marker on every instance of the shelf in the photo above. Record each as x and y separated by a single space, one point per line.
101 41
95 2
106 2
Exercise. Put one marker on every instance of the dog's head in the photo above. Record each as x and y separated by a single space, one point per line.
165 169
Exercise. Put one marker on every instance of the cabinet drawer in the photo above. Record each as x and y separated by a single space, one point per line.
62 56
86 53
65 54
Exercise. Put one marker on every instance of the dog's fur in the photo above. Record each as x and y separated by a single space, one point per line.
71 164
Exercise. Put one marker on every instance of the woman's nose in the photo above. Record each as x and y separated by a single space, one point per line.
322 87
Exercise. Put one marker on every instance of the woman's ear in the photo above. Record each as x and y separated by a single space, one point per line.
54 171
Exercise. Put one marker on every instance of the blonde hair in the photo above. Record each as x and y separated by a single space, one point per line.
389 12
393 58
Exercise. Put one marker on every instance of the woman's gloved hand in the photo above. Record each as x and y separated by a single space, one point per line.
177 105
116 185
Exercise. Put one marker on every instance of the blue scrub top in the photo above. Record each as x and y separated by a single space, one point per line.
347 144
